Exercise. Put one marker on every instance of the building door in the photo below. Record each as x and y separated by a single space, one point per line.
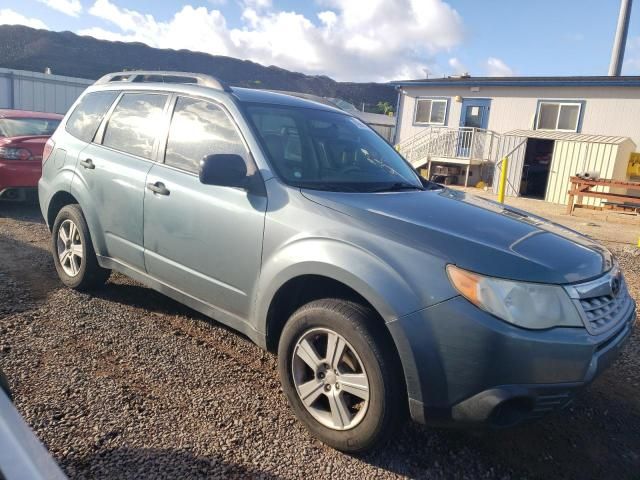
536 168
474 114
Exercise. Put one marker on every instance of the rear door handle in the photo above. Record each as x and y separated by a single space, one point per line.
88 163
158 188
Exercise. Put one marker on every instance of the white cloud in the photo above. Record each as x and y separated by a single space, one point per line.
191 28
257 4
350 40
11 17
68 7
457 66
497 68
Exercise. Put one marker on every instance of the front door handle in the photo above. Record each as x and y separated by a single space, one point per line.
88 163
158 188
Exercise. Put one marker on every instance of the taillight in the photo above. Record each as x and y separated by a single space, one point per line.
48 148
11 153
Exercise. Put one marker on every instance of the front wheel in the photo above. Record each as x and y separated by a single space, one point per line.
339 374
73 253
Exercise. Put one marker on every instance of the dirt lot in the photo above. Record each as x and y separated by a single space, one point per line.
128 383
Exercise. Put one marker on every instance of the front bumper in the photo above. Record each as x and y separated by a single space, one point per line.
464 366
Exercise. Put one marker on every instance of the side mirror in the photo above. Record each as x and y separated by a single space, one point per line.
223 169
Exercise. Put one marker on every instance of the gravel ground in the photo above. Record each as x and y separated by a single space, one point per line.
130 384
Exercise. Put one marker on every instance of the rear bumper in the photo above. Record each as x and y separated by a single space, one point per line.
19 174
465 367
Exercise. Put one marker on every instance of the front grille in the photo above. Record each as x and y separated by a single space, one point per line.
606 311
602 306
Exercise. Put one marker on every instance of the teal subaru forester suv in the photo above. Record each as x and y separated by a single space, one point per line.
382 294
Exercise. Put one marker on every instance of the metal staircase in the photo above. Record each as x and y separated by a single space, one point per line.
460 144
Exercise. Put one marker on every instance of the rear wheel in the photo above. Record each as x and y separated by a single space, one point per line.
73 253
339 374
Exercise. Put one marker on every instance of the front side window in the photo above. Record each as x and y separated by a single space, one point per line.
22 127
135 123
327 150
430 111
564 116
85 119
199 128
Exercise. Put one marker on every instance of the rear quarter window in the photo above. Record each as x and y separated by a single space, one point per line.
85 119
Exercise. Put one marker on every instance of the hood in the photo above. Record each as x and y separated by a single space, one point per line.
476 234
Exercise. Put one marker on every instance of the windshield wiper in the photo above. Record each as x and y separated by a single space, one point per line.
397 187
328 187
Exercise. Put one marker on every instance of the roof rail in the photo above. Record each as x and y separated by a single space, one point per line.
151 76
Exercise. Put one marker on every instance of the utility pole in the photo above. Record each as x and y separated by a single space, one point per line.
617 54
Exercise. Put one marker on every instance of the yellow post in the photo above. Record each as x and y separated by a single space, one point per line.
638 242
503 179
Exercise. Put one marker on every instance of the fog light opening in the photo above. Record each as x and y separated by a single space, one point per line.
511 412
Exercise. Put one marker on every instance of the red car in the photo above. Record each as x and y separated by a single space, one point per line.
23 136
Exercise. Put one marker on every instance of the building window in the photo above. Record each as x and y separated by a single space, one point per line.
563 116
431 111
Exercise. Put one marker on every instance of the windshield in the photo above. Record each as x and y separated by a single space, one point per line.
21 127
329 151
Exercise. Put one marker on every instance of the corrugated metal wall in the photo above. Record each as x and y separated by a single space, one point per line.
517 146
35 91
570 158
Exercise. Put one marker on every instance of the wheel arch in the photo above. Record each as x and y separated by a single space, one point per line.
300 290
58 201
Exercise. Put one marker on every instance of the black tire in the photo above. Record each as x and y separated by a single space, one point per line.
90 274
387 396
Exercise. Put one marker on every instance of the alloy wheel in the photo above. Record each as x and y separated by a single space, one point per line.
69 248
330 379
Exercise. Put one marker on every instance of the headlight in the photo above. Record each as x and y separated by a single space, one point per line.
528 305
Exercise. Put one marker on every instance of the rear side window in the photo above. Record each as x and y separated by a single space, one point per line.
135 123
85 119
199 128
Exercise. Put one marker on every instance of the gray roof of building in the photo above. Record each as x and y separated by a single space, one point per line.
571 81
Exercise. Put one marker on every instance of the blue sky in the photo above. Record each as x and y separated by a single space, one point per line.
361 39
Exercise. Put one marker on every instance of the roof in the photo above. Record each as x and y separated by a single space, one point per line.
250 95
574 81
5 113
569 136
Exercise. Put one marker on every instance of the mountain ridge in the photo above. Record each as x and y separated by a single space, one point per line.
67 53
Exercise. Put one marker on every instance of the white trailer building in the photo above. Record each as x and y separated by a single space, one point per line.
552 127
